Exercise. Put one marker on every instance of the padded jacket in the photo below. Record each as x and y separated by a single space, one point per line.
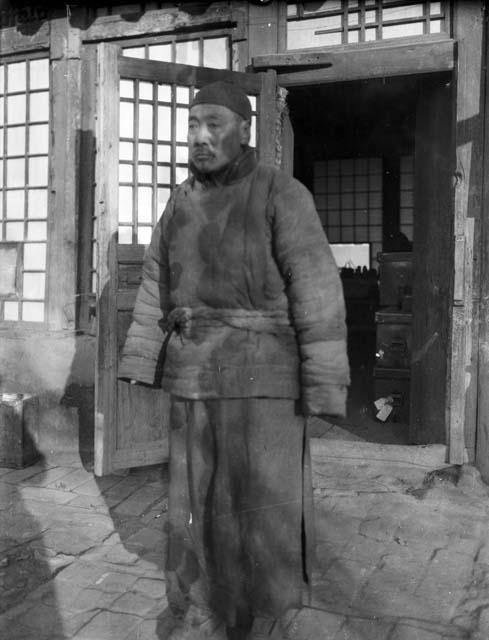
240 295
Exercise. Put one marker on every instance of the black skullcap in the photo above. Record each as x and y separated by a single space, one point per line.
226 94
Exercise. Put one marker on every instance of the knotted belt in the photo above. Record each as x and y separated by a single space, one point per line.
183 320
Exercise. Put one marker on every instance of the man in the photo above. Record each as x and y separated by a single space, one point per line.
241 314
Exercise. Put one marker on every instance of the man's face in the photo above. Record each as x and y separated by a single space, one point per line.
215 136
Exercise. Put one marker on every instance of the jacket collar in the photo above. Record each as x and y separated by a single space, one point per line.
237 169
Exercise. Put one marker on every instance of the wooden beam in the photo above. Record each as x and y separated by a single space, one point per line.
12 40
183 74
361 62
113 27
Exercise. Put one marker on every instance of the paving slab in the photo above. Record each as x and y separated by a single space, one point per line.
47 477
139 501
131 602
364 629
17 475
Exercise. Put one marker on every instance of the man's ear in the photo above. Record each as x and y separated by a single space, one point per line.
245 132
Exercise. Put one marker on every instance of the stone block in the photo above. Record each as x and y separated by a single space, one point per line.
118 554
108 625
73 622
120 491
336 528
448 571
72 480
90 598
146 538
381 528
14 477
364 629
80 573
19 429
407 632
90 503
52 496
312 624
135 603
156 589
97 486
137 503
147 630
115 582
42 617
341 584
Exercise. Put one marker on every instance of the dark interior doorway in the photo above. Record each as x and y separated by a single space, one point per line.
354 148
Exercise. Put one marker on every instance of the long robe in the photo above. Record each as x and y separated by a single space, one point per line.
240 316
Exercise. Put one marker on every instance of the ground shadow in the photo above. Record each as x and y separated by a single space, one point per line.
28 599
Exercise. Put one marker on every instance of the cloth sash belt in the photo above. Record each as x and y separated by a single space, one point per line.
183 320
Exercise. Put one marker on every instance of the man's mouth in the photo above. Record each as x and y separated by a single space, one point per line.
202 155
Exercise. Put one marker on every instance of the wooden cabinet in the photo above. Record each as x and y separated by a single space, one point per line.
392 371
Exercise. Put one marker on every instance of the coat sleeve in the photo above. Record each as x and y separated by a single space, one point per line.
141 357
315 297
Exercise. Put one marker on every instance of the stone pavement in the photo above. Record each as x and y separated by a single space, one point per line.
403 554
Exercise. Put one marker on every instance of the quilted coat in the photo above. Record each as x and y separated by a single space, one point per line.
240 295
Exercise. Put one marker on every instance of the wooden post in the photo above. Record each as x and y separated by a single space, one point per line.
106 210
63 209
468 26
482 449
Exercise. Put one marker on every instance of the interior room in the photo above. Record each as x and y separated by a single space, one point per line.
354 149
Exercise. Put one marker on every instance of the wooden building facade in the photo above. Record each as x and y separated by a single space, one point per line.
378 106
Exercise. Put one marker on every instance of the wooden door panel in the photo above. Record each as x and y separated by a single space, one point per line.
142 417
142 412
431 264
132 420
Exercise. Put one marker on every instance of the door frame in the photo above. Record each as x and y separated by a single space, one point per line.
416 56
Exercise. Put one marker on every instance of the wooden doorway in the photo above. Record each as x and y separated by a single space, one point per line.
377 155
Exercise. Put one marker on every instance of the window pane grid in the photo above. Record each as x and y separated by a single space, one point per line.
24 153
202 51
345 22
348 193
407 196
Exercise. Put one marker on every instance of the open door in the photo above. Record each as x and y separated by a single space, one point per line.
432 248
142 113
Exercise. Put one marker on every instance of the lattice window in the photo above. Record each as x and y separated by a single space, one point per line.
153 152
348 195
335 22
24 171
407 196
213 52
